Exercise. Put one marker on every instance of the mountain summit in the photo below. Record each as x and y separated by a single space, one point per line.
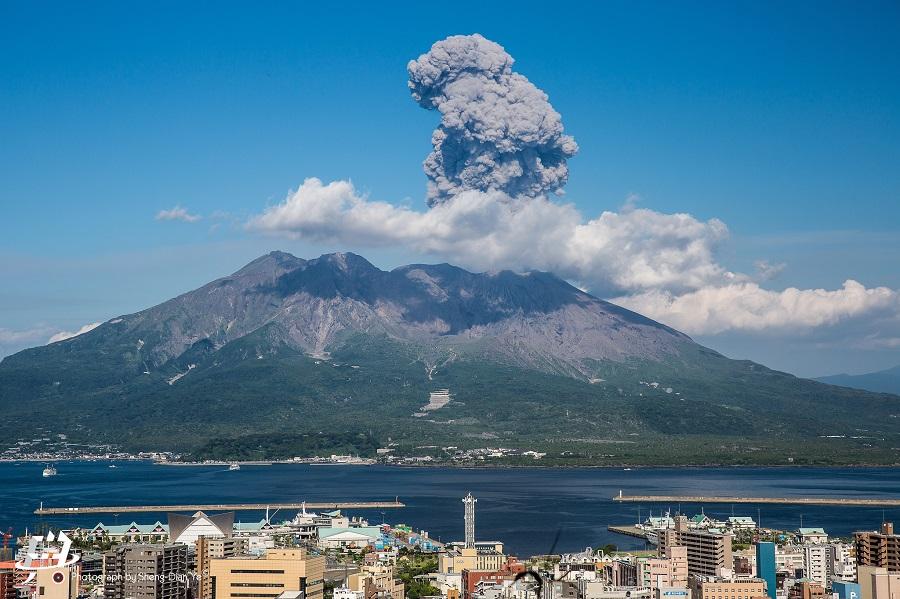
287 344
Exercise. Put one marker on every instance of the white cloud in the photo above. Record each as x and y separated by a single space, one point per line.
766 271
747 306
178 213
661 265
632 249
63 335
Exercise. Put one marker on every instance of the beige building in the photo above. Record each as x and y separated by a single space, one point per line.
57 583
216 548
707 553
705 587
269 576
376 581
878 583
484 556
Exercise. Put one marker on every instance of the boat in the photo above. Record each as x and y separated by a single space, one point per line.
50 470
234 467
113 466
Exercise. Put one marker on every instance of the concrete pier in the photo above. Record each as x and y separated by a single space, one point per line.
784 500
219 507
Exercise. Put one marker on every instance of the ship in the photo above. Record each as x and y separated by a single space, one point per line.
50 470
234 467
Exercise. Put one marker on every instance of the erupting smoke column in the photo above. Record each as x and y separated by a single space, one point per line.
498 132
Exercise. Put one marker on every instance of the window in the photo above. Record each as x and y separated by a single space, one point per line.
256 584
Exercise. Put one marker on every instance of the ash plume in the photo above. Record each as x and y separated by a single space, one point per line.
498 131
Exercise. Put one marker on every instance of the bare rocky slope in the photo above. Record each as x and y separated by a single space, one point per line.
287 344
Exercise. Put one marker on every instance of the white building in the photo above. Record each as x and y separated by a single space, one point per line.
812 535
842 564
348 538
815 563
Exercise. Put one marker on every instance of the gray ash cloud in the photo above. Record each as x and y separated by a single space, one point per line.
498 131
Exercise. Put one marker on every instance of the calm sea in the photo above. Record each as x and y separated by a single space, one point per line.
526 508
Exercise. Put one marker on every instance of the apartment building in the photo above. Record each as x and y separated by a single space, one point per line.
376 582
144 571
208 549
708 553
879 549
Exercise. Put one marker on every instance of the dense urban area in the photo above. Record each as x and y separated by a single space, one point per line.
333 555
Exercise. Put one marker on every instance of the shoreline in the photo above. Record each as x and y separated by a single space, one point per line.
480 466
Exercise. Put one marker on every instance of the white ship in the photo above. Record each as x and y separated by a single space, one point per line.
50 470
234 467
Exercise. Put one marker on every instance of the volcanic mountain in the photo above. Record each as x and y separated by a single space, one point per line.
290 356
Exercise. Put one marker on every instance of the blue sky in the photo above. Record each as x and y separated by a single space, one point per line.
782 121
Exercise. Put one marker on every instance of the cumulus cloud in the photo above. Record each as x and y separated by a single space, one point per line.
498 131
63 335
630 250
178 213
747 306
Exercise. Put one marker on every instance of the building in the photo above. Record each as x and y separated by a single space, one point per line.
376 582
741 523
879 549
354 538
885 585
485 555
268 576
713 587
816 560
841 562
125 533
7 580
813 536
58 583
146 572
187 529
806 589
846 590
708 553
765 566
207 550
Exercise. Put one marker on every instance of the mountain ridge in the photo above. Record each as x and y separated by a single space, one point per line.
286 345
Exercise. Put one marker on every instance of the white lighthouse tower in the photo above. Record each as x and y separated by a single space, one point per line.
469 502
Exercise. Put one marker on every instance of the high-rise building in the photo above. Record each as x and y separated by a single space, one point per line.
146 572
765 566
268 576
216 548
815 563
707 553
879 549
469 502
